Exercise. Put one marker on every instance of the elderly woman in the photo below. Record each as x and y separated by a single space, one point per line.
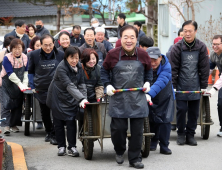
64 40
67 92
14 81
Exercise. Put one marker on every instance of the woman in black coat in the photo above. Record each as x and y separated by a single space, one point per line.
67 92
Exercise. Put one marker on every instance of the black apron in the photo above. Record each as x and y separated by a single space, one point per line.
44 73
76 42
131 104
188 78
162 110
11 93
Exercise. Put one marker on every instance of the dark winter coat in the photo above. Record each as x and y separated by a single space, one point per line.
42 31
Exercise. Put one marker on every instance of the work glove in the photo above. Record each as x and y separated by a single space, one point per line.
148 98
203 91
26 80
147 87
98 100
82 104
109 90
212 91
175 90
13 77
33 90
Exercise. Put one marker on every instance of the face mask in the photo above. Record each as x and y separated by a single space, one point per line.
8 48
95 25
38 27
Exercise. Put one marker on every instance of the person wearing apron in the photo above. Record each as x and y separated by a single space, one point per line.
67 92
64 40
162 95
216 60
76 38
89 35
190 72
14 81
42 65
94 85
131 68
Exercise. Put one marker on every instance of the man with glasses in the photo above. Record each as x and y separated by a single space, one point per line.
190 71
42 65
76 39
216 60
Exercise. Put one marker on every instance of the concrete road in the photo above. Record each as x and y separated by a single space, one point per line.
207 155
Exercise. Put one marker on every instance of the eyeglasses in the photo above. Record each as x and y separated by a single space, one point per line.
216 44
47 45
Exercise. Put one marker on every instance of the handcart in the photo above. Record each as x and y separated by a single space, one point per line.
31 109
204 119
96 127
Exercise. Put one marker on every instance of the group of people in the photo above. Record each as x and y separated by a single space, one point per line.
67 77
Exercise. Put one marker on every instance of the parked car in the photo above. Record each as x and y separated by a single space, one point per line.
111 30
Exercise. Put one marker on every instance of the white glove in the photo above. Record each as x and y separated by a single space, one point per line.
13 77
175 90
147 87
109 90
25 79
82 104
33 90
148 98
212 91
203 91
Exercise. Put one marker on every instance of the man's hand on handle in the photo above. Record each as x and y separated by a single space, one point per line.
82 104
109 90
147 87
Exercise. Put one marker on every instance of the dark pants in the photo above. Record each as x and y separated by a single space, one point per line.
119 128
192 108
46 118
60 132
219 104
162 133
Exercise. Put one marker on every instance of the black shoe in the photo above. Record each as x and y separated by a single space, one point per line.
119 159
39 125
173 127
181 139
153 145
165 151
47 138
137 165
53 141
190 140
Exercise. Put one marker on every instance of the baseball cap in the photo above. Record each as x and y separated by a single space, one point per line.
153 52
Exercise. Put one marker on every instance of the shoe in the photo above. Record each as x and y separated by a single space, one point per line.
220 133
14 129
47 138
190 140
137 165
173 127
62 151
39 125
53 140
181 139
73 152
166 151
6 131
153 145
119 159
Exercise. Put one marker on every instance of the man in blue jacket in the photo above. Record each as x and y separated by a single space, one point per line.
162 95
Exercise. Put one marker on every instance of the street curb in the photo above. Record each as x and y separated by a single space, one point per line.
18 156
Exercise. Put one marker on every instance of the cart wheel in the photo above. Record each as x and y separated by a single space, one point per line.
146 139
27 114
88 131
206 118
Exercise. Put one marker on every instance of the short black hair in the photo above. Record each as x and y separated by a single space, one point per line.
63 32
33 41
71 51
218 36
194 23
89 29
8 40
146 41
44 36
19 23
127 27
122 15
180 30
137 23
78 27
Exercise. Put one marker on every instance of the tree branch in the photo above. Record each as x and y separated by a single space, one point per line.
171 3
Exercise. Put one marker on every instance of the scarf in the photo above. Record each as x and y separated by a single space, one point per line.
19 35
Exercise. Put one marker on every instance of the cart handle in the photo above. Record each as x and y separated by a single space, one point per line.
188 92
131 89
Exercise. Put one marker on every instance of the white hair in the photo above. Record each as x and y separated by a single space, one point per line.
100 29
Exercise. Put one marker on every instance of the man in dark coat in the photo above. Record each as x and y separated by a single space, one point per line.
130 68
76 38
89 35
42 65
121 21
138 26
100 37
40 29
19 32
190 71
